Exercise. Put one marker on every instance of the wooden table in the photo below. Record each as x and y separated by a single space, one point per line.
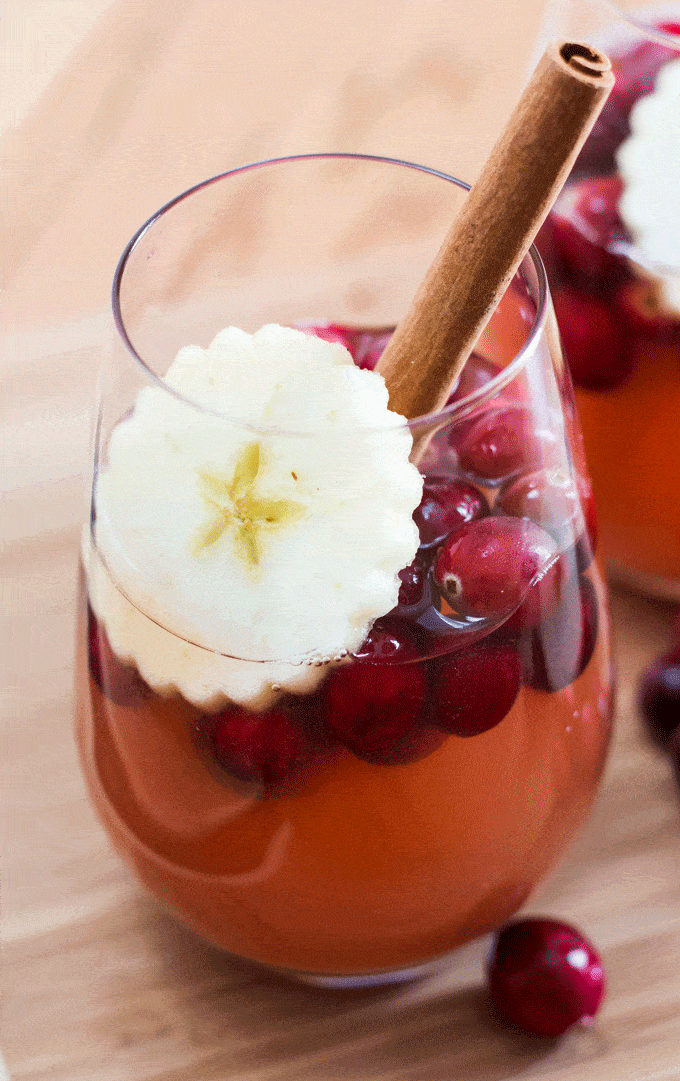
113 107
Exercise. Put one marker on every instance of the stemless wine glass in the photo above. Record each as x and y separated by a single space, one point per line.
618 309
351 821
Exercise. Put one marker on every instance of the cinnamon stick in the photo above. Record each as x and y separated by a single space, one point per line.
496 227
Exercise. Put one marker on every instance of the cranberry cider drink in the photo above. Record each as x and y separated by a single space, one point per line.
340 709
612 253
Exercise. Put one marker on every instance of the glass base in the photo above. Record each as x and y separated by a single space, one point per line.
348 982
651 585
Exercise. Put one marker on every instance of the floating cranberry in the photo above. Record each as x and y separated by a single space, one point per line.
265 748
660 696
474 688
374 710
370 346
547 497
598 354
389 641
476 373
120 682
486 567
586 226
331 332
558 650
544 596
503 440
445 505
544 976
638 303
413 578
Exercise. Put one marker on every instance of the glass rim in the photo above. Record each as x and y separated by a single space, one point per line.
639 20
449 413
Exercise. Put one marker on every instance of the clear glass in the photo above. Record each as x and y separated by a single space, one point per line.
620 336
436 773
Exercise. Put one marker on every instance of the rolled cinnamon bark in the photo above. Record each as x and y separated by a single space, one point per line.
496 227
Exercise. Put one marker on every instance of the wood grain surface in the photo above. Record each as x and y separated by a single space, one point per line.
114 107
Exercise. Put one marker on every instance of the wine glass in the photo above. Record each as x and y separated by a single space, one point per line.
347 810
612 252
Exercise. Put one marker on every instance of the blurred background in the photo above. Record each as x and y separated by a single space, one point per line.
109 108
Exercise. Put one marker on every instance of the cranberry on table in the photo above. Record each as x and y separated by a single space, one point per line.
446 504
265 748
544 976
599 356
486 567
474 688
119 682
660 696
373 709
502 440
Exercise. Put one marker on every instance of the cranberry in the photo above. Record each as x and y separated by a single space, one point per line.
544 595
266 748
660 696
558 650
330 332
638 303
636 71
476 373
389 641
446 504
674 752
599 356
370 346
547 497
501 441
544 976
586 545
374 710
413 578
120 682
586 225
475 688
486 567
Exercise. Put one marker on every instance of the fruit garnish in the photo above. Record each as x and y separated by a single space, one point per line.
475 688
445 505
486 568
502 440
389 641
559 648
373 710
544 976
413 587
649 162
264 748
277 537
598 355
547 497
660 696
587 231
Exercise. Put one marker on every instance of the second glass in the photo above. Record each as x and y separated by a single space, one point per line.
348 819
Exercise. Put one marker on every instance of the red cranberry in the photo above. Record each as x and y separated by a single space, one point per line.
266 748
445 505
660 696
547 497
373 710
413 583
475 688
370 346
544 595
586 225
120 682
330 332
486 567
636 71
503 440
544 976
558 650
389 641
477 372
639 305
599 356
